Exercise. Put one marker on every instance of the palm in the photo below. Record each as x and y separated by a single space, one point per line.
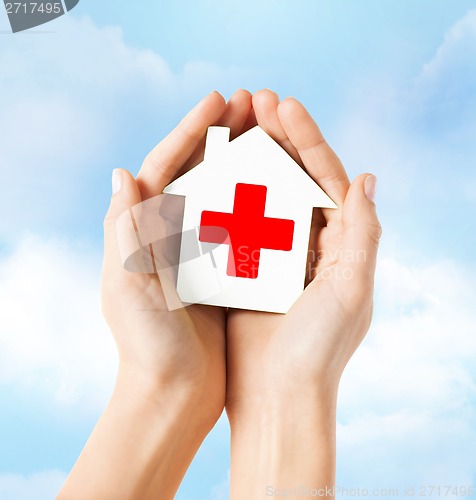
195 329
273 351
167 342
266 340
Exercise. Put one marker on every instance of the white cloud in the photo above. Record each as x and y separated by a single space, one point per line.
53 340
407 401
414 132
456 56
76 103
40 486
445 91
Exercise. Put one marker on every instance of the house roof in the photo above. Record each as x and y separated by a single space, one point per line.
254 155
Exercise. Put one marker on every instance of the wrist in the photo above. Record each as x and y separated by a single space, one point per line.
182 400
142 444
277 410
275 397
290 441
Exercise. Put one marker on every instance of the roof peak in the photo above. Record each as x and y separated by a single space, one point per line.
256 157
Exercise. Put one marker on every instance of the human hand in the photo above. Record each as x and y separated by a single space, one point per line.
171 383
184 347
284 370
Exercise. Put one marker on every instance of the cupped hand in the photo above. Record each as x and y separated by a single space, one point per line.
181 351
276 356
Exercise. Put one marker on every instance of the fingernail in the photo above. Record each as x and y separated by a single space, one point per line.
370 186
116 181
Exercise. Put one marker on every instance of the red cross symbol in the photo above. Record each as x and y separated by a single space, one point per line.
246 230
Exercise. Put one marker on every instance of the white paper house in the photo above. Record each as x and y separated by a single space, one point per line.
250 197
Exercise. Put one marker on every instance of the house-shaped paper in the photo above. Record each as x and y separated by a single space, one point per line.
252 203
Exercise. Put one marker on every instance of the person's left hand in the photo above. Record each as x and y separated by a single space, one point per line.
315 339
284 369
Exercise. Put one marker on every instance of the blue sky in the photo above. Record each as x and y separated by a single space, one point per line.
393 86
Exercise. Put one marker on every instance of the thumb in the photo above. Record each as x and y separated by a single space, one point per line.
362 229
125 194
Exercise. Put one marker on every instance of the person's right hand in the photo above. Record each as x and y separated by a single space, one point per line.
183 350
171 383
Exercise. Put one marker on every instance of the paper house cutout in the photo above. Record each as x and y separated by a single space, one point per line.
253 200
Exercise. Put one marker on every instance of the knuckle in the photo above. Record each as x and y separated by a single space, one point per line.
108 221
375 232
189 133
157 164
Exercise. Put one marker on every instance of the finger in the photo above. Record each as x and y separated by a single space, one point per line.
164 161
319 159
125 195
235 115
362 229
265 105
250 122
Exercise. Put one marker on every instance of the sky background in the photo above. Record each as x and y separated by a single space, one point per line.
392 85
